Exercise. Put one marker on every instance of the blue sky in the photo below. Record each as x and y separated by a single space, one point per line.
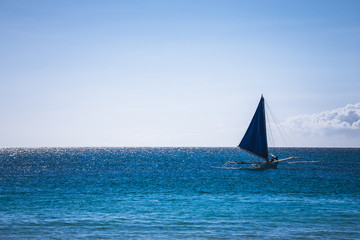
177 73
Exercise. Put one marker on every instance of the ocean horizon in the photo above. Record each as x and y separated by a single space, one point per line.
173 193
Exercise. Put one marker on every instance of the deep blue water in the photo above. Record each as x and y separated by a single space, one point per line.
173 193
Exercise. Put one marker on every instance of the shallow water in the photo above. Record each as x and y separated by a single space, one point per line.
173 193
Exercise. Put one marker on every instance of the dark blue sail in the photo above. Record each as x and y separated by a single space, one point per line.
254 140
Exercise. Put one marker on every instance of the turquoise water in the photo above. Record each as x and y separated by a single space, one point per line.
173 193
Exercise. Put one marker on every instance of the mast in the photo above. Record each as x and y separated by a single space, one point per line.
255 139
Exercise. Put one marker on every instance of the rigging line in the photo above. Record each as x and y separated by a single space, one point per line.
269 127
278 125
280 128
284 131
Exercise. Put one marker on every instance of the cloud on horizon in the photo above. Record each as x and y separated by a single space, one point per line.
344 120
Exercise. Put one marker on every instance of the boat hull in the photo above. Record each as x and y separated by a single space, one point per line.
265 165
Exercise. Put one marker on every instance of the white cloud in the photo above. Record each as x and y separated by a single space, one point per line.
345 120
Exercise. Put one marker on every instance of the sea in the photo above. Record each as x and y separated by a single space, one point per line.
173 193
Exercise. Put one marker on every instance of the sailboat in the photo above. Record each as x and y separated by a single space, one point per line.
255 143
